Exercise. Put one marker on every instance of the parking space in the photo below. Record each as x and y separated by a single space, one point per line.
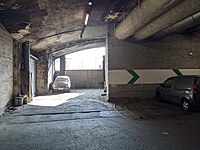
83 119
150 109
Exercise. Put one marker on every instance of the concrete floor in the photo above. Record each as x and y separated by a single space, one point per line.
83 120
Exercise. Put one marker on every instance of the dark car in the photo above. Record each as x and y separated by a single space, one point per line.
182 90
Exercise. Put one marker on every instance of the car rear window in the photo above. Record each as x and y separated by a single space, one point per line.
183 83
168 83
198 81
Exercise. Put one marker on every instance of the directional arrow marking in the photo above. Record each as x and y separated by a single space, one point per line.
146 76
178 73
135 77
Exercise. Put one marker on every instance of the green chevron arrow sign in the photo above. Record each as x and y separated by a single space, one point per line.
122 76
177 71
146 76
135 77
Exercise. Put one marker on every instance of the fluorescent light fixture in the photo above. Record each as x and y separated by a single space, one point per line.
86 19
90 3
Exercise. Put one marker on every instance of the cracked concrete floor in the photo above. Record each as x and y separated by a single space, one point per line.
83 120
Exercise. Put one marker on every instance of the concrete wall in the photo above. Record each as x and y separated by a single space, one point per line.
151 58
6 68
85 78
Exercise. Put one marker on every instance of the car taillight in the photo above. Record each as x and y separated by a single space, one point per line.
194 88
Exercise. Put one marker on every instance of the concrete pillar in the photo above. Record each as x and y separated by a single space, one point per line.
26 55
62 65
103 63
42 73
51 72
17 56
106 64
25 73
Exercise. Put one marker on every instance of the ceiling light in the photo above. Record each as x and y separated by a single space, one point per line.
86 19
90 3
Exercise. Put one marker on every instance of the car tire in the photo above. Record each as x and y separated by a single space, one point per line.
185 104
50 87
67 91
159 97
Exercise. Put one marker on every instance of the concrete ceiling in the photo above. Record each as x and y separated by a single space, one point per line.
58 25
160 16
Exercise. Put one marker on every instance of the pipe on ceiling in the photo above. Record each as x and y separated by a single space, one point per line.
180 26
174 15
142 15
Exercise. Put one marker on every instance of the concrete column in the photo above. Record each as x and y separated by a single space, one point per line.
25 73
62 65
106 64
42 73
51 72
17 56
103 63
26 55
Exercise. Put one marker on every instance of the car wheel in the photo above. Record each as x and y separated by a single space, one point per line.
186 105
51 87
53 90
67 91
159 97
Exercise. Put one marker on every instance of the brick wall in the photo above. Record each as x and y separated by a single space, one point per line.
6 68
169 53
85 78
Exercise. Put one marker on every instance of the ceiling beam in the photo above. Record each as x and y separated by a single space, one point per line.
178 13
142 15
67 51
79 44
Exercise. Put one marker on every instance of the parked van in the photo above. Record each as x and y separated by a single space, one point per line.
182 90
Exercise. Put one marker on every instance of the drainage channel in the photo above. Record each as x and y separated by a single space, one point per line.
60 113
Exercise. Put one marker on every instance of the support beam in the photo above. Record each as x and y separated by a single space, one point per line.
26 56
148 11
42 73
178 13
17 68
25 73
62 65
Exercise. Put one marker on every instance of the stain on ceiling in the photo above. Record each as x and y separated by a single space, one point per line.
54 24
